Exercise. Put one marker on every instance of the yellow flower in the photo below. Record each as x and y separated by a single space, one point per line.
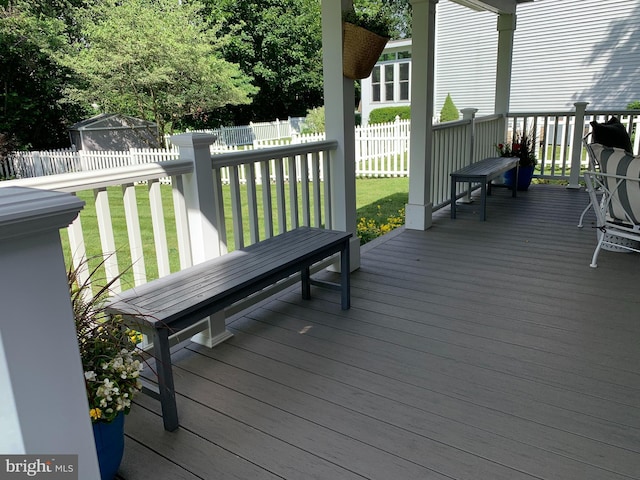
95 413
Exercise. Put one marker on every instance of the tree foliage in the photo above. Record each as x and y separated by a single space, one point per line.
449 111
280 44
32 110
155 59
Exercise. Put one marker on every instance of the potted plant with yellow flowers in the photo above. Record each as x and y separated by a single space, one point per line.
364 37
111 365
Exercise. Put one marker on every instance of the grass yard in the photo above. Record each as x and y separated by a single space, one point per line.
377 201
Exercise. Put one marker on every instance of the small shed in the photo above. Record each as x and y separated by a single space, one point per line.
112 131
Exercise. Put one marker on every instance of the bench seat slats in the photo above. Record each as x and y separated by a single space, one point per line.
215 281
482 172
170 304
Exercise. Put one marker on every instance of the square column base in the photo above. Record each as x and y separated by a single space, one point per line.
418 217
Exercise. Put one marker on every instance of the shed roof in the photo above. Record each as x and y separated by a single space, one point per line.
111 121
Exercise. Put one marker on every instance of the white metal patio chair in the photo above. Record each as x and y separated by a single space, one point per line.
617 212
594 166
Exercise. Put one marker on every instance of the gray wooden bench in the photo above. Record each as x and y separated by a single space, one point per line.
167 305
483 172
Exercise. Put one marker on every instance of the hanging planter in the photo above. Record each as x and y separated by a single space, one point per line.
363 40
360 50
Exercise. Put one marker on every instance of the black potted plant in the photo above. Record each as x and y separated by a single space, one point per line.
364 37
522 146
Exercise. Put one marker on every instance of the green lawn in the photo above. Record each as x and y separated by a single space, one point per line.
377 199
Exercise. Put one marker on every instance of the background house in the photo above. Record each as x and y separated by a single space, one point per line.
112 131
564 51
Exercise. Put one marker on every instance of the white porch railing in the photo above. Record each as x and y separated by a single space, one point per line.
382 150
257 209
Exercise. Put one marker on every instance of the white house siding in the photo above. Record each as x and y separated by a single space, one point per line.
466 49
564 51
571 50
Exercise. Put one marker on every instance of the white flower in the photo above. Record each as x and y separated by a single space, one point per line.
90 376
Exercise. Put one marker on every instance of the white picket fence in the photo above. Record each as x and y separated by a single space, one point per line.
248 134
381 150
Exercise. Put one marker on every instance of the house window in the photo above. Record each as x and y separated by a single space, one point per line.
404 81
388 82
375 84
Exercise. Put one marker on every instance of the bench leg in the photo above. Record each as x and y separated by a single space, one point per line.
345 276
453 198
483 202
305 275
165 379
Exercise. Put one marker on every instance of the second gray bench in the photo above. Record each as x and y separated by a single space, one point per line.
483 172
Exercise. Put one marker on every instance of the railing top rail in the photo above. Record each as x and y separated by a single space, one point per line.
455 123
613 112
219 160
489 118
621 111
78 181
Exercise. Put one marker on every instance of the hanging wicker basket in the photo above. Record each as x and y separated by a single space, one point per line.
360 51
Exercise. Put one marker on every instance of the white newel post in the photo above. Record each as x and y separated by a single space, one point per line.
576 145
203 214
44 408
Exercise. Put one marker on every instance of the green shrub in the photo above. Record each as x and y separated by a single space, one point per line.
314 121
389 114
449 111
634 105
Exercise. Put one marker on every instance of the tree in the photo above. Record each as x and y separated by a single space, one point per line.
449 111
399 11
155 59
278 43
32 108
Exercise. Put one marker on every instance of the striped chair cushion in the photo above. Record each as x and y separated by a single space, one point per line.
616 161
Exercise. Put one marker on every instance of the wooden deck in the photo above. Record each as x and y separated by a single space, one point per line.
474 350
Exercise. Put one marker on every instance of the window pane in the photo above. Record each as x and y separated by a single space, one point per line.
405 54
404 71
388 87
404 90
388 73
375 92
375 78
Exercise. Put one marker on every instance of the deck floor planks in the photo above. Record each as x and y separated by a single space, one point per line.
453 362
410 432
425 377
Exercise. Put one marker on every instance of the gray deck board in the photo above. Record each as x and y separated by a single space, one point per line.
474 350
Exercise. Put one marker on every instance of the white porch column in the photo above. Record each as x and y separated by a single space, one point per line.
419 209
576 145
204 216
340 124
506 27
44 409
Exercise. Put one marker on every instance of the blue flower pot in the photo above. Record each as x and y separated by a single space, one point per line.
109 438
525 175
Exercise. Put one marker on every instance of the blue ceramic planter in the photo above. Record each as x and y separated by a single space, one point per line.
109 439
524 177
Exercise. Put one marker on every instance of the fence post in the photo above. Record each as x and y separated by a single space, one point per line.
203 218
576 145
